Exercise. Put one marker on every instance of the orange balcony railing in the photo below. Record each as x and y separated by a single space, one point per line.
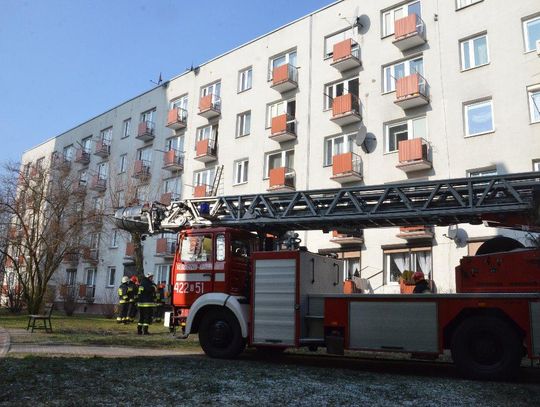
409 32
173 160
205 150
98 183
141 169
281 178
82 156
346 167
415 232
413 155
201 191
412 91
103 148
283 128
146 130
177 118
285 77
210 106
346 55
346 109
165 247
130 250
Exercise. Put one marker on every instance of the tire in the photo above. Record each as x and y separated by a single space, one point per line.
220 335
486 348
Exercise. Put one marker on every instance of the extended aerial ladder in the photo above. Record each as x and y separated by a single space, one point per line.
499 200
233 289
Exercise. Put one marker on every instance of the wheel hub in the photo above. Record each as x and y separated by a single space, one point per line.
221 334
486 349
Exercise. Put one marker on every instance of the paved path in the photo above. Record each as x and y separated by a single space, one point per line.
78 351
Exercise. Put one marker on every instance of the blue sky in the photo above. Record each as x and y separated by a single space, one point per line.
65 61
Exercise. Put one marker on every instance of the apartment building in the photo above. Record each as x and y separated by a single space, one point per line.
359 92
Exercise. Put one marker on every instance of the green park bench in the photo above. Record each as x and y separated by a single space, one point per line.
46 316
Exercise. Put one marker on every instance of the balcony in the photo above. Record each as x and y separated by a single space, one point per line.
80 188
415 232
202 191
173 161
130 251
346 110
210 106
283 128
103 148
413 155
141 171
284 78
146 131
168 197
409 32
90 255
82 156
346 167
346 55
282 179
71 258
206 150
347 239
411 91
61 163
177 118
98 184
165 247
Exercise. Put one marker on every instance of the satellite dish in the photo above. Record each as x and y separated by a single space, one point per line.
452 232
363 23
361 135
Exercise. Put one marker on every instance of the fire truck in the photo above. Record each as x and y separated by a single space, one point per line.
240 277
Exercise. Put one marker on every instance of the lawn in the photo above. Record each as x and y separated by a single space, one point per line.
247 381
94 330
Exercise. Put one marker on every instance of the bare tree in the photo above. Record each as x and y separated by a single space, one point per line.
45 217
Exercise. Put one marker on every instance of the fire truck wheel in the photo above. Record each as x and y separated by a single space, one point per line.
220 335
486 347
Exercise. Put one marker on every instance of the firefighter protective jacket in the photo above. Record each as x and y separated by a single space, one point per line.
132 291
123 293
147 293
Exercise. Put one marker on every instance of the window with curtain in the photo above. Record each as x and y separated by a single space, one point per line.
414 259
474 52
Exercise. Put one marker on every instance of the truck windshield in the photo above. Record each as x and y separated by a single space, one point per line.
196 248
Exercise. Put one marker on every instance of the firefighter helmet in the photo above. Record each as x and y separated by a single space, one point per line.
125 279
418 276
149 275
134 279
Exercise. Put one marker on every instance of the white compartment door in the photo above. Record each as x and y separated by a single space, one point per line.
274 313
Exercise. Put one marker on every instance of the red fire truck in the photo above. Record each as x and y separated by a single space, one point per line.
240 278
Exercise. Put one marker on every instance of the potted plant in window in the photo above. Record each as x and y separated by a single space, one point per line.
406 282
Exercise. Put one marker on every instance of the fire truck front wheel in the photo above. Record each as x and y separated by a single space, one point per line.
486 347
220 335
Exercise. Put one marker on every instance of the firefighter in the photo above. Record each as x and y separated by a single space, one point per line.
160 301
133 285
146 302
421 286
123 302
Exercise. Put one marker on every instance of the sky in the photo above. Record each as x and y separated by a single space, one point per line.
63 62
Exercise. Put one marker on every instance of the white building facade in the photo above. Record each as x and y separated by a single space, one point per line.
357 93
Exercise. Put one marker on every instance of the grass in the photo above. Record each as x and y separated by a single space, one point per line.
93 330
198 380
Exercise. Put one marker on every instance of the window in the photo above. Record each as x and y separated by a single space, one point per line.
465 3
398 261
531 31
392 73
175 143
114 238
205 177
103 171
196 248
90 282
111 276
94 241
351 265
243 124
126 127
536 165
283 59
106 135
338 145
474 52
534 103
207 132
122 165
279 159
213 89
68 153
244 79
482 173
240 172
87 144
338 89
145 155
97 203
141 193
180 103
71 276
40 164
83 177
333 39
163 271
279 108
389 16
148 118
479 118
174 186
406 130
